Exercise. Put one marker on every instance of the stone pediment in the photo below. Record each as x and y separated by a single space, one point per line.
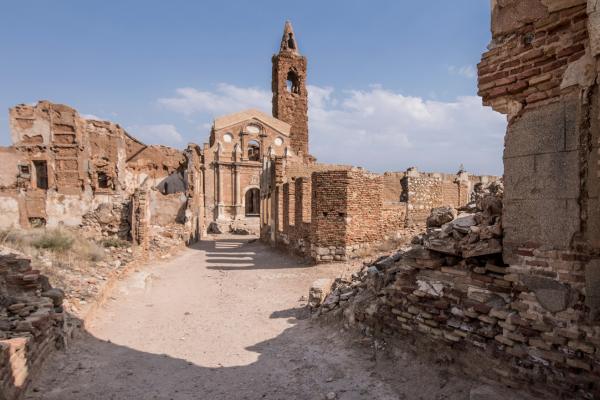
247 115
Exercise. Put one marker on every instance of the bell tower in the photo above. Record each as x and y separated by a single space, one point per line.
290 98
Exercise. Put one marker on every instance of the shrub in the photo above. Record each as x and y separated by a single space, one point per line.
114 242
53 240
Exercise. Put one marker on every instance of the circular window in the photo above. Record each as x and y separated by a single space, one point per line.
227 138
253 129
278 141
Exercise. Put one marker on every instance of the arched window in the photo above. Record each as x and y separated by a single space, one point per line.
253 151
293 82
290 41
252 199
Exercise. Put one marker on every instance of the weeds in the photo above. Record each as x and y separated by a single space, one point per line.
53 240
114 242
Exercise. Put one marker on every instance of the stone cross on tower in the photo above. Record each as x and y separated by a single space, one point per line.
290 98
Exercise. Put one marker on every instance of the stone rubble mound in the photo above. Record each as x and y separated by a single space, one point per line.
475 231
456 242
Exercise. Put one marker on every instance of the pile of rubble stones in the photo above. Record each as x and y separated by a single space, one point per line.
466 239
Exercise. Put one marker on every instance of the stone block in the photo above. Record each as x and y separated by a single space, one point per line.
545 129
510 15
594 29
592 288
557 5
552 295
534 176
549 221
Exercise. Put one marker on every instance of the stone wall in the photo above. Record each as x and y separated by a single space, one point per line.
31 323
393 220
551 219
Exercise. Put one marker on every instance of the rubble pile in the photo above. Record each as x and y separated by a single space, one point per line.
452 288
31 321
84 281
475 231
456 242
108 219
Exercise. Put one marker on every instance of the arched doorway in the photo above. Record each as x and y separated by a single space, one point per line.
252 202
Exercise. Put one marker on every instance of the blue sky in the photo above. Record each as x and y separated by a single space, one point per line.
393 83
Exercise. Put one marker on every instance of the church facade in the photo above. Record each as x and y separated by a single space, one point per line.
242 144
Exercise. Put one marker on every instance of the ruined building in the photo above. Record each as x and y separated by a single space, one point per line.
336 212
255 175
65 170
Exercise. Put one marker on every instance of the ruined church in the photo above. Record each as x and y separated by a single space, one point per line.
503 286
254 176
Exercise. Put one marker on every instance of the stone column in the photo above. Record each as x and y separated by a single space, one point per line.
238 194
219 183
237 190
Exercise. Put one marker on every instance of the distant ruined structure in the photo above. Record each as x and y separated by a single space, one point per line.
255 175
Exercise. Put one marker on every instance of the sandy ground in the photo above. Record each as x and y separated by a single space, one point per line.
226 320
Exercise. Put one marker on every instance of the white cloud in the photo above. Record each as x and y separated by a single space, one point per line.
377 128
383 131
224 100
166 134
467 71
91 116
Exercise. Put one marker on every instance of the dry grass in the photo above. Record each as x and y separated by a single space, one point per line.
114 242
61 245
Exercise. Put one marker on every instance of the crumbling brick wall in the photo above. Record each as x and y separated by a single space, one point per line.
534 43
345 213
529 311
31 323
541 71
395 208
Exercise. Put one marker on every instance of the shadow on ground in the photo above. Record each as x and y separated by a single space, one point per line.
241 254
306 361
301 359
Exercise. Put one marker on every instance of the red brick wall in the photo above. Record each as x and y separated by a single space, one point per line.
527 64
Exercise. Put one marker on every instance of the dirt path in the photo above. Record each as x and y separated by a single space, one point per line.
225 320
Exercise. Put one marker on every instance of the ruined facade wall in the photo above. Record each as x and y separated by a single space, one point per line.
289 209
9 168
328 199
80 173
424 193
302 213
363 207
393 188
353 213
233 164
421 191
